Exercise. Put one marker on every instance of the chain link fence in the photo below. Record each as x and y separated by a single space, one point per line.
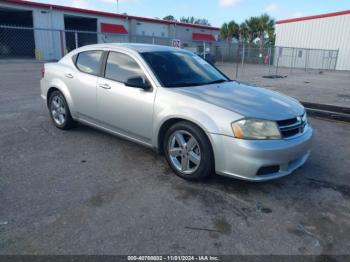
277 61
47 44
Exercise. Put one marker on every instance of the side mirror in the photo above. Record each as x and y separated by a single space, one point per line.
138 82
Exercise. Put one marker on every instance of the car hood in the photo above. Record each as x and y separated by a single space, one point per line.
248 101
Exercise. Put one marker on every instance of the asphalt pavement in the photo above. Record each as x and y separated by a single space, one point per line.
87 192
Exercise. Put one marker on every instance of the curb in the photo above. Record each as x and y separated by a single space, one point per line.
328 111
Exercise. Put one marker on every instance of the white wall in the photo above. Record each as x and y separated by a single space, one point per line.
151 29
322 33
48 42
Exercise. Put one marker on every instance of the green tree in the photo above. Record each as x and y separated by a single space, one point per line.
244 33
229 30
266 29
261 27
169 18
194 20
252 25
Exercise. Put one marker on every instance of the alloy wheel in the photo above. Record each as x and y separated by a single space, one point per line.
184 152
58 110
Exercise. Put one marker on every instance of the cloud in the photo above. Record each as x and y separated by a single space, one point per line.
91 4
115 1
81 4
271 8
297 14
228 3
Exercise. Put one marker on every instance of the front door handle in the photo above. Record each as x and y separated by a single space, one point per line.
105 86
69 75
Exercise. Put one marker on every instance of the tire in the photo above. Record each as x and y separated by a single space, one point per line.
58 106
183 153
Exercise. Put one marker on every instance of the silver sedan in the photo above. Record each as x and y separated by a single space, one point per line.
180 105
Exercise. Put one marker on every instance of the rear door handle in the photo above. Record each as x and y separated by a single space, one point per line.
69 75
105 86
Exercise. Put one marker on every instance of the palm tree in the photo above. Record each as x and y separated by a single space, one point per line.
252 25
262 27
244 33
229 30
266 28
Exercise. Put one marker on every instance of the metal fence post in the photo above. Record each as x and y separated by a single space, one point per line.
237 61
278 59
62 44
76 39
336 59
269 55
307 59
222 55
291 61
243 54
204 49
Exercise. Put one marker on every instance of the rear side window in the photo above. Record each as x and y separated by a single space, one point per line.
89 62
121 68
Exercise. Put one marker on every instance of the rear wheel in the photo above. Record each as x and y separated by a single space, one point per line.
59 111
188 151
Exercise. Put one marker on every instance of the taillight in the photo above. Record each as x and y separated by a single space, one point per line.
42 72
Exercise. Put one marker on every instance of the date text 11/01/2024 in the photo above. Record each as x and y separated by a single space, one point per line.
173 258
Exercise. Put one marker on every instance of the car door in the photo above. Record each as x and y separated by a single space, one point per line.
127 110
84 81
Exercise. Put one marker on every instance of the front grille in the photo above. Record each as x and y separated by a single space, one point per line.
291 127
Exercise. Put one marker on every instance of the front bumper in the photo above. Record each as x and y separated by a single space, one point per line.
245 159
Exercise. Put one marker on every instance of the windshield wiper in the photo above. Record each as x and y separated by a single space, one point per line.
185 84
217 82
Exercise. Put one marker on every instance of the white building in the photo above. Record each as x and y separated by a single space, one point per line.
326 32
48 31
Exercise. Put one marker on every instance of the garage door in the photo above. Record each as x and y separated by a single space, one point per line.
16 34
79 25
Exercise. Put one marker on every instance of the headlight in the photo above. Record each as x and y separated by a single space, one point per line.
304 119
255 129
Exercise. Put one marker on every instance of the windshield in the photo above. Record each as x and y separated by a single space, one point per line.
180 69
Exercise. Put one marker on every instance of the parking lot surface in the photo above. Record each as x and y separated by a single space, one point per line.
315 86
87 192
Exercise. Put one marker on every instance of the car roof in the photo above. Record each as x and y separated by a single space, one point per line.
140 48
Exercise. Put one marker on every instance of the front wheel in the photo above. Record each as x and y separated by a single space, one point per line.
188 151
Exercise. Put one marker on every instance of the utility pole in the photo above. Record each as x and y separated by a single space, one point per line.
117 6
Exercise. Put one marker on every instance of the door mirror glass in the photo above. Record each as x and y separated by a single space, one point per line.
138 82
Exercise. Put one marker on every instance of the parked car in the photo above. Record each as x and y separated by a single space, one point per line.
208 57
175 102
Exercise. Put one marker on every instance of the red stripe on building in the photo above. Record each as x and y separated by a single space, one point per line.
346 12
113 28
203 37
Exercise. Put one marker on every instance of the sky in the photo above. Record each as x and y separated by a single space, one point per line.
216 11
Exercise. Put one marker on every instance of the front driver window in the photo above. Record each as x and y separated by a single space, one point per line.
121 67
